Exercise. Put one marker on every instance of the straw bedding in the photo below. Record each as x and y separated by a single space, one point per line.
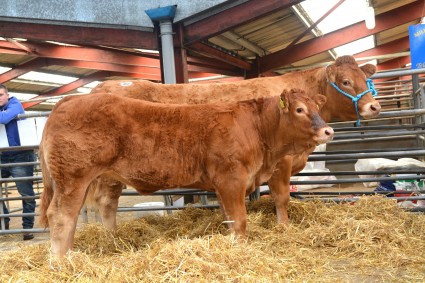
371 241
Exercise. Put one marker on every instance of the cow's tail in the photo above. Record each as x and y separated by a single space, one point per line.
47 195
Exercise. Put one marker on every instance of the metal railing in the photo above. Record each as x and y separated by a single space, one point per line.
402 120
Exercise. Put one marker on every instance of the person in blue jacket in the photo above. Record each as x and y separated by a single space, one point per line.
10 107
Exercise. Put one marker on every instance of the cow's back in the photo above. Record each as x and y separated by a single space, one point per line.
193 93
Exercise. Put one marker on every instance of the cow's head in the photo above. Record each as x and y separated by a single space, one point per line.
348 88
304 124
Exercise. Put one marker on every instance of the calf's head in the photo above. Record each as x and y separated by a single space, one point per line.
349 90
302 120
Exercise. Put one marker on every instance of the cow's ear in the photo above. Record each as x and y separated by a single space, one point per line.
284 101
331 73
320 100
368 69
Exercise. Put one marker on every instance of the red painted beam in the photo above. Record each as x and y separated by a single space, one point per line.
205 69
110 60
83 81
80 35
219 55
22 69
8 48
85 54
209 62
68 87
395 46
232 18
385 21
105 66
396 63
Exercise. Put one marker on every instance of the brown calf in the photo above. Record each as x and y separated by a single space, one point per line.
226 148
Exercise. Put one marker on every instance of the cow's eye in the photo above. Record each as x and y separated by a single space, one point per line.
346 83
299 110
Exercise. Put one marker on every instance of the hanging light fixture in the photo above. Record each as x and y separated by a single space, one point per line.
369 15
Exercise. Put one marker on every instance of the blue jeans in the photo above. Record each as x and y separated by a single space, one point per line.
24 187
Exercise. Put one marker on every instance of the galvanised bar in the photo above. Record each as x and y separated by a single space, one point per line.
394 154
364 150
377 128
17 179
399 73
341 136
376 172
356 180
33 114
19 164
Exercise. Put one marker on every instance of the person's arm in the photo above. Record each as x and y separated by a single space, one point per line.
12 110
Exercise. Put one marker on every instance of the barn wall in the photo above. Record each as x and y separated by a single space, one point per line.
124 13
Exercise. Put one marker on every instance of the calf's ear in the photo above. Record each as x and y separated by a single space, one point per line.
320 100
368 69
331 73
284 101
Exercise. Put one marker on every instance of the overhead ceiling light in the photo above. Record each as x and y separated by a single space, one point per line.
370 17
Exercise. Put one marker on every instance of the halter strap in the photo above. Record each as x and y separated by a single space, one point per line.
370 88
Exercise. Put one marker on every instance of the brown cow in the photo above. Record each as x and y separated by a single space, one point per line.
225 148
345 72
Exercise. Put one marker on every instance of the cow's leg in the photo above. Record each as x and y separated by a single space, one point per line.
62 215
232 202
106 197
279 188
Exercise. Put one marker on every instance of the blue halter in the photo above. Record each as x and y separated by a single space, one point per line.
370 88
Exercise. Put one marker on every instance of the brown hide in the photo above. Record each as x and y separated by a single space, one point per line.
312 81
226 148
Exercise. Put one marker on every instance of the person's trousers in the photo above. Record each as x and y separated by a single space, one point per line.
25 188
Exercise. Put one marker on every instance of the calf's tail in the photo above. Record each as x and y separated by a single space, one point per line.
47 195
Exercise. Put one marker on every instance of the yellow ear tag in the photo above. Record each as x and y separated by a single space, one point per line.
318 108
282 103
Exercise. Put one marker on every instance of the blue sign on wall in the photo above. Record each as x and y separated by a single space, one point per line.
417 46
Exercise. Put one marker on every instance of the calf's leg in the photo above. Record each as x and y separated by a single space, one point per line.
279 188
62 215
232 204
107 195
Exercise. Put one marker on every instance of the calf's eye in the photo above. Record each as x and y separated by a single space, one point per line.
299 110
346 83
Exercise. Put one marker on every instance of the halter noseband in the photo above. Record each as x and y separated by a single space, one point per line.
370 88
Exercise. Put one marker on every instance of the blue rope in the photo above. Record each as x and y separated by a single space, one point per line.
370 88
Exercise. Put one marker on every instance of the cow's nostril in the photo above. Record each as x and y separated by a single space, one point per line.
375 107
329 132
